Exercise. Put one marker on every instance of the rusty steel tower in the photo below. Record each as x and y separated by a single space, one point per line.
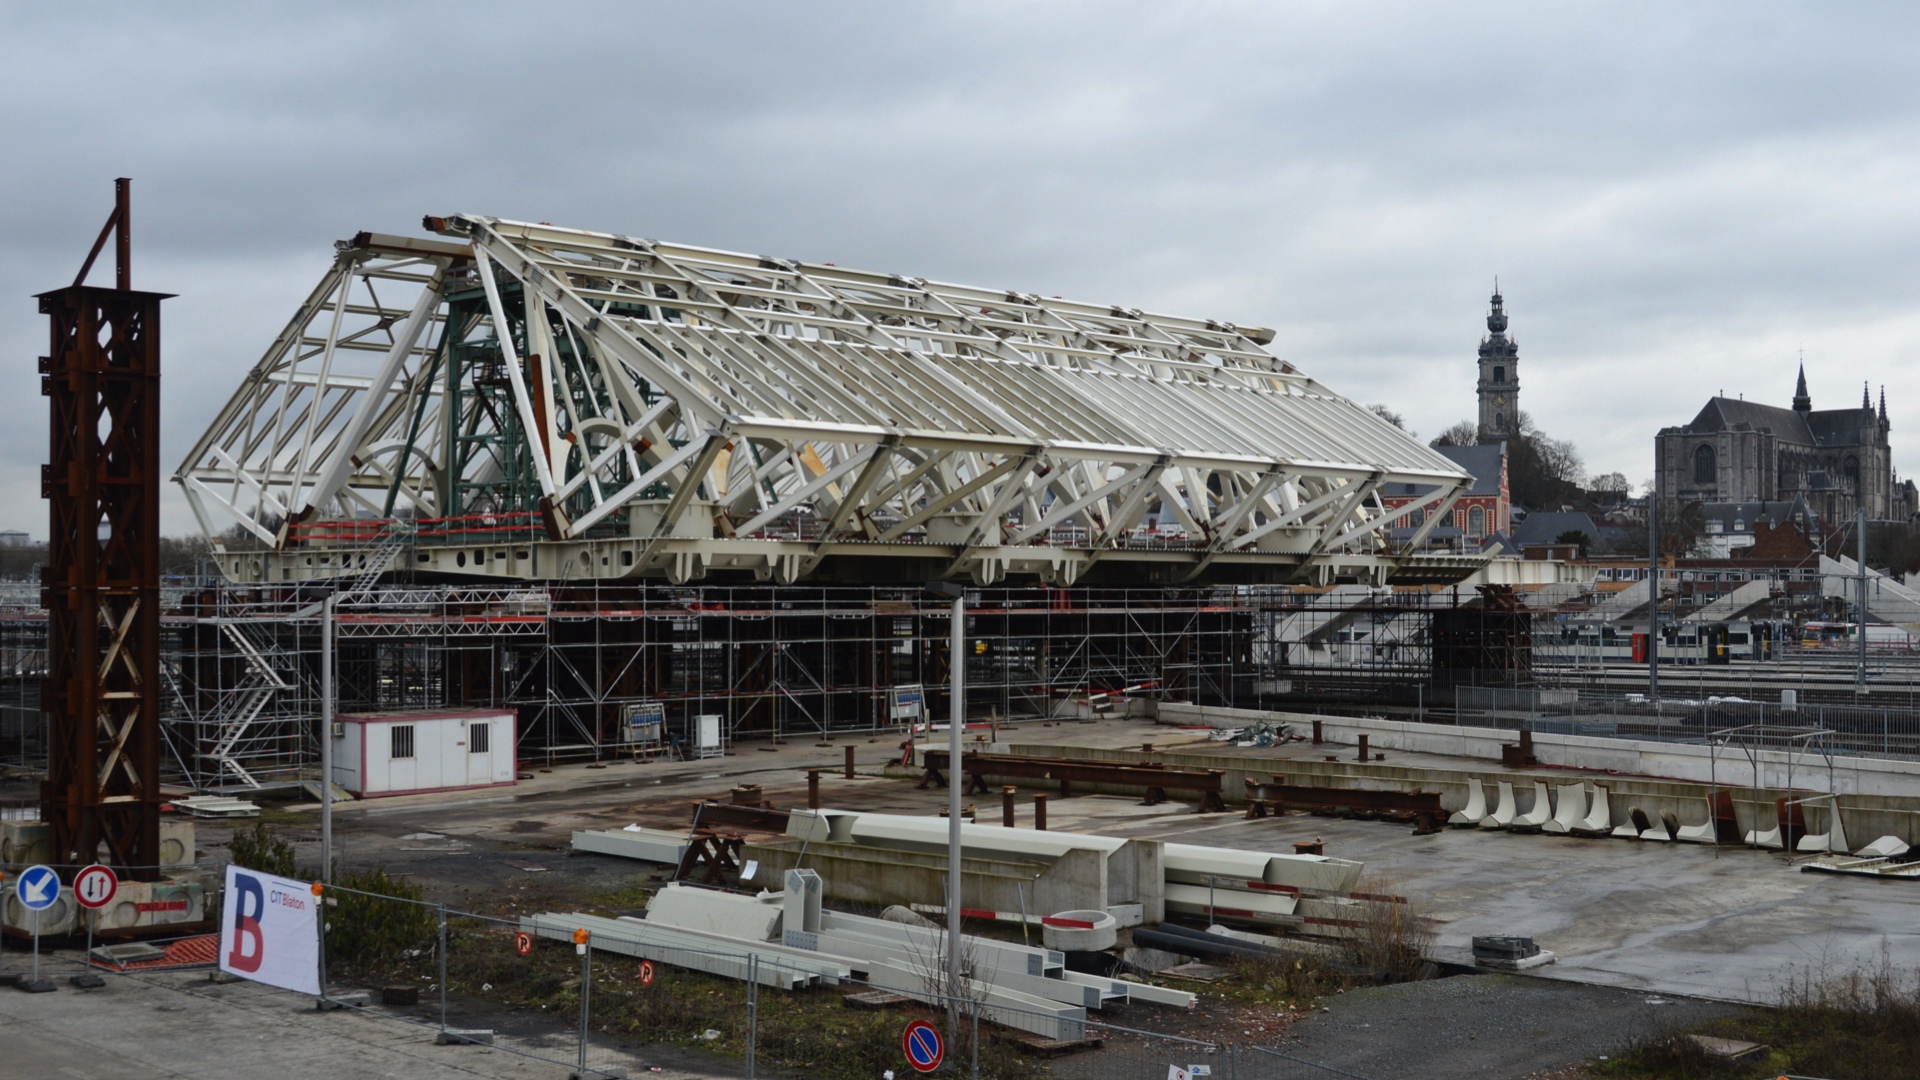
101 584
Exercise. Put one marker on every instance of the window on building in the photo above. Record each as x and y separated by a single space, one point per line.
1499 374
1500 421
1705 468
1853 471
402 741
1739 525
1476 522
1417 518
479 737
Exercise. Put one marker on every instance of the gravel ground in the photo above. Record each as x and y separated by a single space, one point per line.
1484 1027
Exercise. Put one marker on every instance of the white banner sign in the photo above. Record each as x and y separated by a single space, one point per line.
268 932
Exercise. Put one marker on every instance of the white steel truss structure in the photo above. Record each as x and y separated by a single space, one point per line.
526 401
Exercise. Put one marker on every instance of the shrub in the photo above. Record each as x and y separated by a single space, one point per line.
259 849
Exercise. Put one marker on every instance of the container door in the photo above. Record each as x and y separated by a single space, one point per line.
479 751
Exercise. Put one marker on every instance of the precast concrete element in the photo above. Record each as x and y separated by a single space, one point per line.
634 842
1637 822
1599 819
1504 811
1220 902
1079 931
1887 847
148 904
1008 1008
779 967
1764 838
1540 814
1704 833
1835 838
1306 873
800 903
1162 995
689 907
987 953
1571 810
1476 808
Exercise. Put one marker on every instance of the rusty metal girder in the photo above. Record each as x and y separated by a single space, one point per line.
1423 807
101 584
762 818
1155 778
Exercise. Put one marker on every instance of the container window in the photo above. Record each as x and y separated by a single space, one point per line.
477 737
402 740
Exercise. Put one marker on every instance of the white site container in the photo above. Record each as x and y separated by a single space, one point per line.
407 753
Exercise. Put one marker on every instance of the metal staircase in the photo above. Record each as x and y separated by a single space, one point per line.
241 708
394 540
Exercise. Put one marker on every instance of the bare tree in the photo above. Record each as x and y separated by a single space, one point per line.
1464 433
1389 416
1610 482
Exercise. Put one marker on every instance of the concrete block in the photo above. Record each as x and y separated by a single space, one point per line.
176 843
688 907
1599 819
25 843
1476 807
646 845
1504 810
62 917
1571 811
139 904
1541 813
1886 847
1834 839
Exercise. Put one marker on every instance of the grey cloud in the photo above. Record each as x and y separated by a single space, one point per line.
1674 197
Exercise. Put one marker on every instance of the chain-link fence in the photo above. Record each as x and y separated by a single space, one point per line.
601 1001
1891 732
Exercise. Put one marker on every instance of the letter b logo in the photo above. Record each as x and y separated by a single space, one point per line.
249 903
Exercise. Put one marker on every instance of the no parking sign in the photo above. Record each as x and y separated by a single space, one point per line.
924 1049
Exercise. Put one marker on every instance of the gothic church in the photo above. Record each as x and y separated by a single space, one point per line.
1741 451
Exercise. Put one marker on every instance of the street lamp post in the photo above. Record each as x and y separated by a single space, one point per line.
956 723
326 739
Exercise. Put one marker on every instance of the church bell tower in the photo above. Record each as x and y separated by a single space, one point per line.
1499 385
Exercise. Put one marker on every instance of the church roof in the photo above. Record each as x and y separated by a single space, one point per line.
1826 427
1725 414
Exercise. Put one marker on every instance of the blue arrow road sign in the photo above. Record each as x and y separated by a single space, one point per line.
37 887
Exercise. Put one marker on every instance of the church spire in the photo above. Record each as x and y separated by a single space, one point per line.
1801 402
1866 396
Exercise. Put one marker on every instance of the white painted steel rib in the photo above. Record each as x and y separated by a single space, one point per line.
1113 407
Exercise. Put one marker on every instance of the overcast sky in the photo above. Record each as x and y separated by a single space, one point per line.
1676 199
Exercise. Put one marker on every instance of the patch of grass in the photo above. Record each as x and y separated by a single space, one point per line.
1292 978
1862 1024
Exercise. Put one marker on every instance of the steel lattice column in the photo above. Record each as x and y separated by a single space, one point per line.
101 585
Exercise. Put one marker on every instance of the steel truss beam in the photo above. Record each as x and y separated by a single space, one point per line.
644 409
101 584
